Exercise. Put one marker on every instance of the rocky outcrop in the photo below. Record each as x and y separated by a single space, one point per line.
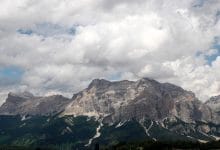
27 104
151 105
214 103
145 98
117 101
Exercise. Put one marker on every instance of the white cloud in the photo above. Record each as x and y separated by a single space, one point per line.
113 39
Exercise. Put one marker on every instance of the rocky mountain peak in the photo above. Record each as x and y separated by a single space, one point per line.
99 83
214 103
116 101
145 98
16 98
214 99
26 103
148 80
151 105
24 95
172 87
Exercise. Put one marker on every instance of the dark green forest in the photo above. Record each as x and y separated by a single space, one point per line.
72 133
136 145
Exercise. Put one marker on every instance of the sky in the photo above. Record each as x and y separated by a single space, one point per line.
58 46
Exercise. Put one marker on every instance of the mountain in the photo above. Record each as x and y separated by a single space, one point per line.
27 104
109 113
145 98
52 131
214 103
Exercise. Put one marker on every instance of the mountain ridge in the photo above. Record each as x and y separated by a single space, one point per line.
151 109
214 103
27 104
115 95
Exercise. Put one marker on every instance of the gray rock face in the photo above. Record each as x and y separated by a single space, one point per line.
214 103
145 98
26 103
117 101
155 106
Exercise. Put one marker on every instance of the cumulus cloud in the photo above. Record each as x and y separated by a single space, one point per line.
61 45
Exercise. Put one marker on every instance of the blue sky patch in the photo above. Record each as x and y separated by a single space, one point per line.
25 31
48 29
216 45
199 3
212 58
116 76
10 75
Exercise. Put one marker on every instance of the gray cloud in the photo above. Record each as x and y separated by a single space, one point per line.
61 45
